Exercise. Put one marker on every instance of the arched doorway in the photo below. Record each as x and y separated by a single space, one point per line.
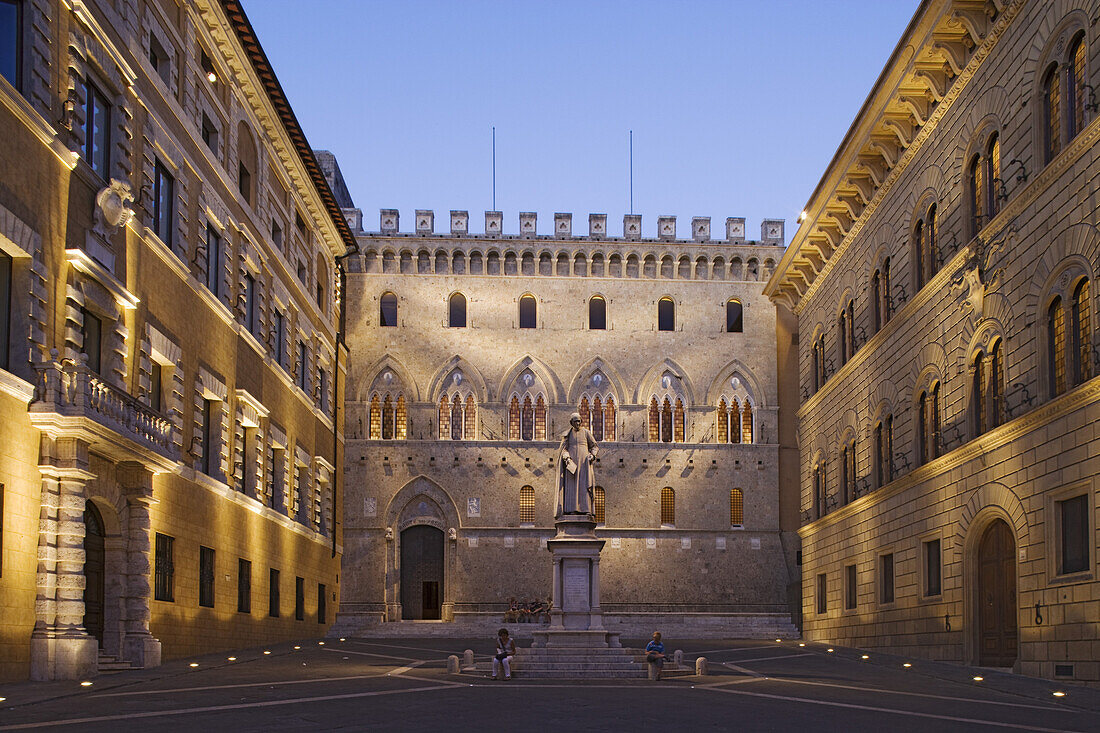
421 572
94 565
997 612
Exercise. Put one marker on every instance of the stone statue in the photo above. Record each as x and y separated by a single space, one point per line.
576 476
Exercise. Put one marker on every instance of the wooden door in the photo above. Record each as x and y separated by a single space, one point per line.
421 572
93 572
997 596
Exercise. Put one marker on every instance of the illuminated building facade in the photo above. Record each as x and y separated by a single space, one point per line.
169 363
944 280
469 351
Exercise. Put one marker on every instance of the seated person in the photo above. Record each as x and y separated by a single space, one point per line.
506 649
512 614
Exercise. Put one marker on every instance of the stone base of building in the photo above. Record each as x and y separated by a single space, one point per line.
63 656
142 651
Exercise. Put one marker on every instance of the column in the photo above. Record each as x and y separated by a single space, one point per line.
140 647
60 646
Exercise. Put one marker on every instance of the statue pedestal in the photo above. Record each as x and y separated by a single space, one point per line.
576 619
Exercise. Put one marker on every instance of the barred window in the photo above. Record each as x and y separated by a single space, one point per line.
457 311
527 505
299 599
164 571
735 320
993 174
599 502
737 508
668 506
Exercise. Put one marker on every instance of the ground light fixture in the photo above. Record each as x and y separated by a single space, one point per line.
1059 693
865 657
85 683
297 647
194 664
979 678
2 699
778 641
907 665
342 639
801 644
829 650
232 659
266 651
320 643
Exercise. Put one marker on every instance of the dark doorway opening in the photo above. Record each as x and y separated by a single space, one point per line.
997 636
421 572
93 571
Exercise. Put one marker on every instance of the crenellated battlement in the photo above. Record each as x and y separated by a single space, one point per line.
389 220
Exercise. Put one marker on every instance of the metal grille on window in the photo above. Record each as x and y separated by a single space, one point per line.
1081 334
737 508
668 506
746 423
527 505
599 500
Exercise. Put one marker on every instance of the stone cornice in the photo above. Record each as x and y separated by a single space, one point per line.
842 167
1075 399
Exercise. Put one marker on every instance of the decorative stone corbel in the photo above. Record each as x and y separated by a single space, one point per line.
452 534
389 534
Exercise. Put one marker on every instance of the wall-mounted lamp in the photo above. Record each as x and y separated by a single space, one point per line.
999 187
802 216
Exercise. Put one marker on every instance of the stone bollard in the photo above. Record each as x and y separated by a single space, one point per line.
652 670
678 657
701 666
468 658
452 664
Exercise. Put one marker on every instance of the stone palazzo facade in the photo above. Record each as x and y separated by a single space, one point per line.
468 354
169 363
944 280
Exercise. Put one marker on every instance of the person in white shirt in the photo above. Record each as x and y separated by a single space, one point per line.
506 649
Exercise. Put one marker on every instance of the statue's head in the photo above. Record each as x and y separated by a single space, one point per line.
575 419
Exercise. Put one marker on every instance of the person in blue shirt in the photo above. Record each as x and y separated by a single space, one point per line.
655 652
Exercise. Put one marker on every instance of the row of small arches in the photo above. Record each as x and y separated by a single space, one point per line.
562 264
599 506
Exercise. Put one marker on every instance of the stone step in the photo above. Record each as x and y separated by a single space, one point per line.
107 664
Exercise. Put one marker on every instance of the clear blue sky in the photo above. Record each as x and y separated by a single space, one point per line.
736 107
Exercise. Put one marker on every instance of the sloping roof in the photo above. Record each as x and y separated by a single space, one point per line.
247 36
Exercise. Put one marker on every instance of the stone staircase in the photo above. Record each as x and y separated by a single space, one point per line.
579 663
109 664
627 625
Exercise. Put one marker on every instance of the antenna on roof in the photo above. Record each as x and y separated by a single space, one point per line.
494 167
631 171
